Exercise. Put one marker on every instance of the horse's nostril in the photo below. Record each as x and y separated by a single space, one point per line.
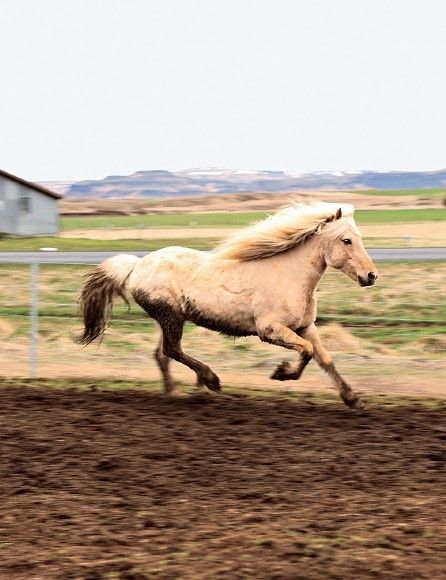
372 276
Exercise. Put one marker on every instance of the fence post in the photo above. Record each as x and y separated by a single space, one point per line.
34 322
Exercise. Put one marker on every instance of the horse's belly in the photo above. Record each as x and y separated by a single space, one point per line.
232 323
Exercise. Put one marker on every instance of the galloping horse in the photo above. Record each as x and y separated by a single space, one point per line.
260 281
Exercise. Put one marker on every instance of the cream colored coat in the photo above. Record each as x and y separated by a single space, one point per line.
273 297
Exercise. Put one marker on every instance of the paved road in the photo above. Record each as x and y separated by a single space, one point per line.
382 254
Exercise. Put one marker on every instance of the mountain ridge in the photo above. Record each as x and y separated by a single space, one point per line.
159 183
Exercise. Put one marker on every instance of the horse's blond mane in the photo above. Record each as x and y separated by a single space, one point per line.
290 226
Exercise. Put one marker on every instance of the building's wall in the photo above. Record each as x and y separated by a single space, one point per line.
40 218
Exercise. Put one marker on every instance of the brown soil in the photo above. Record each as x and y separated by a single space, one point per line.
236 202
131 485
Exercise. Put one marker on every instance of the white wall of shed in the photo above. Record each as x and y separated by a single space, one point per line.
42 219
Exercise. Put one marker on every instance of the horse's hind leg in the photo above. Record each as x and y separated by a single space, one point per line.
163 362
326 363
172 334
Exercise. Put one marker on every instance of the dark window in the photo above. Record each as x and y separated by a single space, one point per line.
25 204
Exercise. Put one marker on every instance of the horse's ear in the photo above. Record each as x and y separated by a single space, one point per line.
338 214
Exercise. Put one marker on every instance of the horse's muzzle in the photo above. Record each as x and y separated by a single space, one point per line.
368 280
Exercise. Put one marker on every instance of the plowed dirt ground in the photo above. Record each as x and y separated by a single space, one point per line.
130 485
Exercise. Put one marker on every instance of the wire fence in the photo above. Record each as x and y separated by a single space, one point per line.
391 335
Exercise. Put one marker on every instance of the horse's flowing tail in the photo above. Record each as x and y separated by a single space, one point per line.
96 299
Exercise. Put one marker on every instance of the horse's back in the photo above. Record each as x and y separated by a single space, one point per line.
166 271
176 257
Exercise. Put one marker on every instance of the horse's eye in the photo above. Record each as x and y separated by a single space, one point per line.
347 242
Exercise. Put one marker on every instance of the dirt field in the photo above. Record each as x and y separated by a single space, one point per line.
414 234
240 202
130 485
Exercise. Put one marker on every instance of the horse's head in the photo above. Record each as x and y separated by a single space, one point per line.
345 251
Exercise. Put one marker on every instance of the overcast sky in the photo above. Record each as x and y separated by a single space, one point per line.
98 87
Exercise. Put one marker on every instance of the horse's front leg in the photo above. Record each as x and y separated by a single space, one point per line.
280 335
325 361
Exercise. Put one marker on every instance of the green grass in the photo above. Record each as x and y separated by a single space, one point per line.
406 305
402 334
179 220
385 216
87 245
436 192
234 219
174 220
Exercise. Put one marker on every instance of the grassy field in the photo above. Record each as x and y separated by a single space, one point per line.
406 305
386 216
189 222
233 219
94 245
436 192
87 245
376 334
174 220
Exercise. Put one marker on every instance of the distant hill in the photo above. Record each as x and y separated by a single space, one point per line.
158 183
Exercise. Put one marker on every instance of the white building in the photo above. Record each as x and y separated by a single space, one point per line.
27 209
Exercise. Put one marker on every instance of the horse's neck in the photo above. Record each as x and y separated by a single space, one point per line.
307 263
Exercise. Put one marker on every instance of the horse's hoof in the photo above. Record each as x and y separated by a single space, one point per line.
214 385
282 372
360 405
354 402
211 381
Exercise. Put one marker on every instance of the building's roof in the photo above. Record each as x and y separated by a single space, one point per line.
30 184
